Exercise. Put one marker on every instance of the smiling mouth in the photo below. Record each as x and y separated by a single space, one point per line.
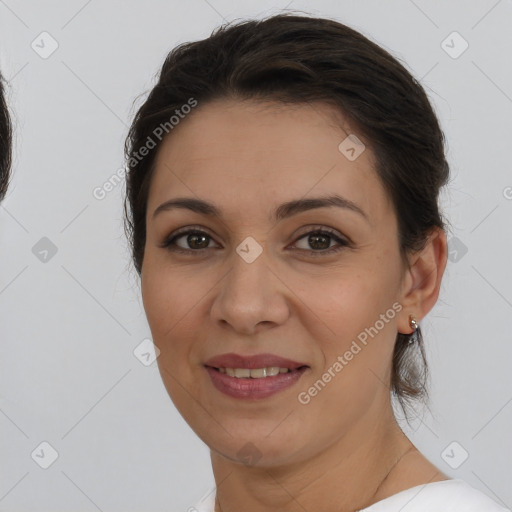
253 377
256 373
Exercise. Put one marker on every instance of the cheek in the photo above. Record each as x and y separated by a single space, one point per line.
346 302
357 354
170 314
358 323
157 301
165 304
165 294
174 302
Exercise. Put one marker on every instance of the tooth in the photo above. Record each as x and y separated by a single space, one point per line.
256 373
259 373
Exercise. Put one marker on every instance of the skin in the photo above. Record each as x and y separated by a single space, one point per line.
340 451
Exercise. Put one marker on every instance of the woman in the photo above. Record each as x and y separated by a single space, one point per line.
282 199
5 143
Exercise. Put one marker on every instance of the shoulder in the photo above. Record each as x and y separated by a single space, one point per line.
452 495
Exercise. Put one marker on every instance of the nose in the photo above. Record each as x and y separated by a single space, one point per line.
251 297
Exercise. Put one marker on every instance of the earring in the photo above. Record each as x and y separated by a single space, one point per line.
414 324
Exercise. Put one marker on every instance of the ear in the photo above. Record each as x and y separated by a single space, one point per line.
422 280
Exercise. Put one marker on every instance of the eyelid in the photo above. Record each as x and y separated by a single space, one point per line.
321 227
192 227
185 230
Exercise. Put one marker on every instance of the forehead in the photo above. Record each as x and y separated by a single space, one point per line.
260 154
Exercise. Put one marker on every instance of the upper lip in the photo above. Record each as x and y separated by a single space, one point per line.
232 360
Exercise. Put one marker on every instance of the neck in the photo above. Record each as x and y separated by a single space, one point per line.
349 474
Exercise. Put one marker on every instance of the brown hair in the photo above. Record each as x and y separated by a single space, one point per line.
299 59
5 143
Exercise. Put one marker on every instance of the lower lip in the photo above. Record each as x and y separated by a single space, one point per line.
249 388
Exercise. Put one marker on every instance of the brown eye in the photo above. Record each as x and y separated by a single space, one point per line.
195 241
319 242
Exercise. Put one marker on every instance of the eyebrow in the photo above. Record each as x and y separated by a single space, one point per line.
283 211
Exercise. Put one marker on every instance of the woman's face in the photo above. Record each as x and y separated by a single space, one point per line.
271 273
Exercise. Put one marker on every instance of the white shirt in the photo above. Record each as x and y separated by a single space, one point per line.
454 495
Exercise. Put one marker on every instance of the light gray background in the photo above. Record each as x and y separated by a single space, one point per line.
70 324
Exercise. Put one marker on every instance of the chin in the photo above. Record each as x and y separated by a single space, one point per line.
253 445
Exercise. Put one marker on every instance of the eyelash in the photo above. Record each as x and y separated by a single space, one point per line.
170 245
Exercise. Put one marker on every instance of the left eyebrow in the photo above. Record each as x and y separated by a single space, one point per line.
283 211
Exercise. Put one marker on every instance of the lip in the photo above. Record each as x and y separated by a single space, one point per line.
233 360
249 388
